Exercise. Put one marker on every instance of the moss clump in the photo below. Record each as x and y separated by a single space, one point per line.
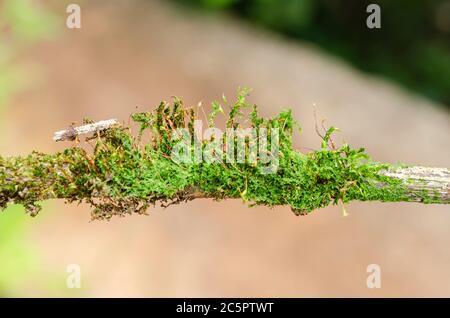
124 175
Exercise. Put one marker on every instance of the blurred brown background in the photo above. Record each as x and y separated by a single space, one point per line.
131 54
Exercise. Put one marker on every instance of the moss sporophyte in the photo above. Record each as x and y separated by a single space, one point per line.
253 159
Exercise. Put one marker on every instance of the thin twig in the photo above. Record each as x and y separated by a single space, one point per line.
71 133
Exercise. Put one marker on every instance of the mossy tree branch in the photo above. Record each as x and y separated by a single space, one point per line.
123 175
419 180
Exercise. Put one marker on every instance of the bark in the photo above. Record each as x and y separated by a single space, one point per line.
73 132
435 181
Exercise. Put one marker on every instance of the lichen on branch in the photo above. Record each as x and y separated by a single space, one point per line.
125 175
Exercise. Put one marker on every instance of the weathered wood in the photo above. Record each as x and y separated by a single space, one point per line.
435 181
71 133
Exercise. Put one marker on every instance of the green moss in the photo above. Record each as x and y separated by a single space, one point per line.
123 175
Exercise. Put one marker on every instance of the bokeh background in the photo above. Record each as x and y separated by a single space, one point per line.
387 89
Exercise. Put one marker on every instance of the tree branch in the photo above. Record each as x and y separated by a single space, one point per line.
434 181
72 133
120 178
